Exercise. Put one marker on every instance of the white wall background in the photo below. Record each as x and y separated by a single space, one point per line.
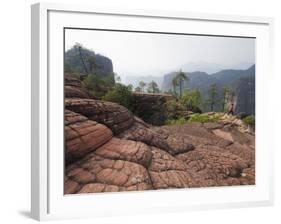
15 110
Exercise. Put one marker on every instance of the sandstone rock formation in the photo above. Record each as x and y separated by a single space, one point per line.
82 135
108 149
72 88
114 116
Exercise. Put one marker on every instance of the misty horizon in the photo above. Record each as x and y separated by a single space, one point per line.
152 54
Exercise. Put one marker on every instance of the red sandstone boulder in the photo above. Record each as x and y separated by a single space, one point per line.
72 80
73 88
142 133
83 136
73 92
114 116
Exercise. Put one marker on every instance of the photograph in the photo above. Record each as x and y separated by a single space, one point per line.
153 110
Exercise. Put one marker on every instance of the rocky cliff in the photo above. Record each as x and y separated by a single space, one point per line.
108 149
75 57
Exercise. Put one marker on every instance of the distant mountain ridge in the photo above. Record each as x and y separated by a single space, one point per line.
211 68
242 81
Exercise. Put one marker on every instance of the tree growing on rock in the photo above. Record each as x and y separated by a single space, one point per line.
67 68
79 46
120 94
142 85
153 87
213 93
181 77
227 96
93 67
175 83
130 87
138 89
191 99
98 86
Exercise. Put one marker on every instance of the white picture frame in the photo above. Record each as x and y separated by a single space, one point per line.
48 201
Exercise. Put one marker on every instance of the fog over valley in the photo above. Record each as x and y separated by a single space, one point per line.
144 55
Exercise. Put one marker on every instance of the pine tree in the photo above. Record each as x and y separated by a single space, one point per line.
213 92
142 85
181 77
153 87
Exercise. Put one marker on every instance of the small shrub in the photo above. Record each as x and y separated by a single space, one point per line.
192 100
120 94
242 115
179 121
203 118
172 108
98 85
250 120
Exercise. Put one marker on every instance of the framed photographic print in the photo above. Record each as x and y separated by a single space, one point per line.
138 111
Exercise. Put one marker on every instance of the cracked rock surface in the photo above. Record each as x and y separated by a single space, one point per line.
108 149
114 116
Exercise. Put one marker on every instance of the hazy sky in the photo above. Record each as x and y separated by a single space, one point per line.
135 54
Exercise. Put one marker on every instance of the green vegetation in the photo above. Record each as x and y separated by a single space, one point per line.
96 85
242 115
97 78
227 96
153 87
191 99
250 120
178 81
68 68
142 85
213 93
225 92
173 109
120 94
179 121
138 89
130 87
175 83
81 60
204 118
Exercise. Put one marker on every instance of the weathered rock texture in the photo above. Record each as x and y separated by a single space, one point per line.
107 149
83 136
72 88
114 116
